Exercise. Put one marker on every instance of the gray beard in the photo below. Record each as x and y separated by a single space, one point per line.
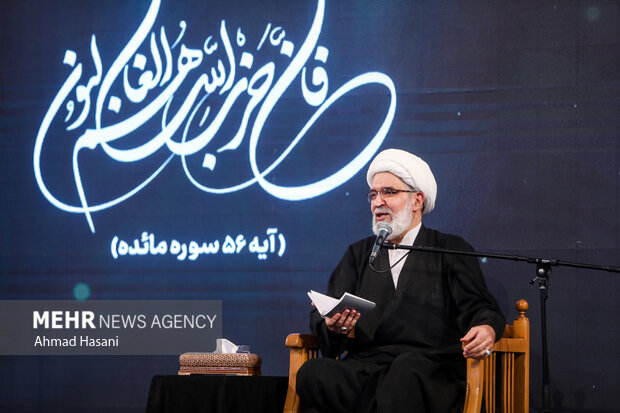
400 221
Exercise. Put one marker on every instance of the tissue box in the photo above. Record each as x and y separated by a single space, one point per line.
241 364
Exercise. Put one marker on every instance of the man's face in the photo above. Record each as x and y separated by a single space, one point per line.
402 210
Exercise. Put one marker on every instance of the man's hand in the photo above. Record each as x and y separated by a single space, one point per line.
342 323
479 341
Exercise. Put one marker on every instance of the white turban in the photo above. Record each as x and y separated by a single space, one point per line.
411 169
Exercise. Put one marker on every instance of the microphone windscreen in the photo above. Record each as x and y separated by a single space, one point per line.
385 226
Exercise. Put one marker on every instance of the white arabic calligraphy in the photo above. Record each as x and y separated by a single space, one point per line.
146 245
264 90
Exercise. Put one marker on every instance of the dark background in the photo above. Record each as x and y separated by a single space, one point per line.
514 104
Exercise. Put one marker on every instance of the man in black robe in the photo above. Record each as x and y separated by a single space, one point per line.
406 354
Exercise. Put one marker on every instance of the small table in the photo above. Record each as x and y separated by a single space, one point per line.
217 394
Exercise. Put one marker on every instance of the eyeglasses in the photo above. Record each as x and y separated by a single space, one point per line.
386 193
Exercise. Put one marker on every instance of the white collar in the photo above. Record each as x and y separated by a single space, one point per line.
411 235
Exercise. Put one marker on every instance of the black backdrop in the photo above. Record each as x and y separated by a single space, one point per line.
514 104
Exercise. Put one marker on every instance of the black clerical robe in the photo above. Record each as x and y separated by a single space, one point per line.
439 297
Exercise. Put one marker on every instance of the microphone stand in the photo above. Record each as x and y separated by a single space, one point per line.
543 271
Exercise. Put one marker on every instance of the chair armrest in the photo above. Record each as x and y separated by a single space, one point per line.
297 340
502 379
475 385
302 347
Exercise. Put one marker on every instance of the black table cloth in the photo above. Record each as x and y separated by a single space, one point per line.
217 394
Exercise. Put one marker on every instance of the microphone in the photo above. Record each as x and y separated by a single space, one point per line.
385 229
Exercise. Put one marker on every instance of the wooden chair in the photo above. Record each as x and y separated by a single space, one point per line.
501 380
